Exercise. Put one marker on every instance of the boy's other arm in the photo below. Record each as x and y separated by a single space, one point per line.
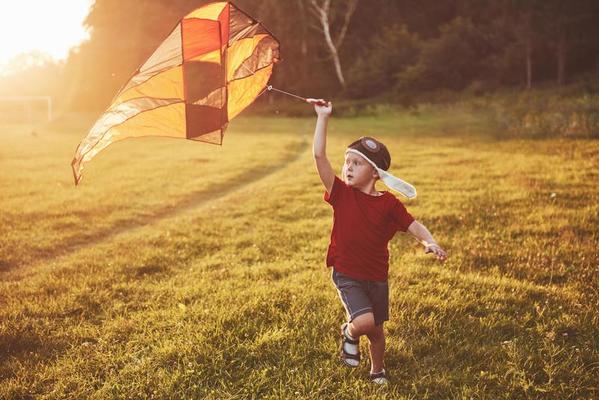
319 148
423 235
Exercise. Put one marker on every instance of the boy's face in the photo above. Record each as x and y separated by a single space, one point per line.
357 171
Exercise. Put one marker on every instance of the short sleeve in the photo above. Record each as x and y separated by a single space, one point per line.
400 217
336 191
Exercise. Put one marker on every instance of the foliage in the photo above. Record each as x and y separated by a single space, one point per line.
32 74
450 61
546 113
406 45
375 71
392 47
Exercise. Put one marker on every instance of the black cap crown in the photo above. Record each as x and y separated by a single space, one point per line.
374 150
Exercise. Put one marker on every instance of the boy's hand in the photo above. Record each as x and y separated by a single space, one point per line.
321 106
437 251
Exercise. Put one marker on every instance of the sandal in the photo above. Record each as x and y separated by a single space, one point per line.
349 359
380 378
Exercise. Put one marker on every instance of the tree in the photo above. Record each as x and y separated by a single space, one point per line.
373 47
566 22
123 34
322 11
388 53
450 61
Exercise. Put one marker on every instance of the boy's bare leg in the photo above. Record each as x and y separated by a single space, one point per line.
364 325
377 348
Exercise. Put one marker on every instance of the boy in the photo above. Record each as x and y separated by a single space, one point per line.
364 222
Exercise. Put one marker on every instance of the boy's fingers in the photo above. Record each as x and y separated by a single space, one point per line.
319 102
437 251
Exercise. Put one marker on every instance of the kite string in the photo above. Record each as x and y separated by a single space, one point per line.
270 88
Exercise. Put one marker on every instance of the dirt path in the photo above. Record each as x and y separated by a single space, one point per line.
192 201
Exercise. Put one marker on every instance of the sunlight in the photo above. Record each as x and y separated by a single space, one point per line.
41 26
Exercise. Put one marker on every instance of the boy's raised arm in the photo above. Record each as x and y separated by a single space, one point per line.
319 148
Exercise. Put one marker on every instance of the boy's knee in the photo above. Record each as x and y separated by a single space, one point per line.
363 324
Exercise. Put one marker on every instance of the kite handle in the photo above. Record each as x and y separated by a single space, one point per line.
320 103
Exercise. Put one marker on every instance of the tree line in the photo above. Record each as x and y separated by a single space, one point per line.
360 48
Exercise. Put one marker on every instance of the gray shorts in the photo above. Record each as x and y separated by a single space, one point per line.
361 297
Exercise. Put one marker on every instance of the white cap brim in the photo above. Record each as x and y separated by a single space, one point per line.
392 182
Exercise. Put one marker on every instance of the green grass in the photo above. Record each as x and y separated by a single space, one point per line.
185 270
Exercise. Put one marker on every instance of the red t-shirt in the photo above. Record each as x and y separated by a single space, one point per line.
362 227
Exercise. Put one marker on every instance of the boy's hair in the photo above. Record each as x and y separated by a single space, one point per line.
373 149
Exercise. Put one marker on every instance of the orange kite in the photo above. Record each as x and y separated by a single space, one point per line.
212 65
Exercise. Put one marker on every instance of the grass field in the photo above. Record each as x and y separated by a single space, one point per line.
186 270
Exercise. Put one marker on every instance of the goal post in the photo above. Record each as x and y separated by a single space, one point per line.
27 102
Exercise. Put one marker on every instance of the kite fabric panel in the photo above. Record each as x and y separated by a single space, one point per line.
212 65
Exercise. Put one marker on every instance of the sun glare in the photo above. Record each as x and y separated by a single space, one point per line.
49 27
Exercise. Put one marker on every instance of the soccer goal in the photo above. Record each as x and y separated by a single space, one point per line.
25 108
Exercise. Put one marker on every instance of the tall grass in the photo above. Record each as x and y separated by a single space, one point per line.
229 297
546 114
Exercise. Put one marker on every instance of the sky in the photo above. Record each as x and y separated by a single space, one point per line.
51 27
